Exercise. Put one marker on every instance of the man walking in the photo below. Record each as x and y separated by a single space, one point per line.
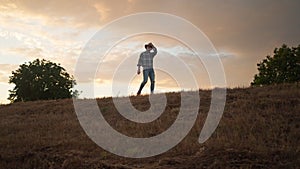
146 61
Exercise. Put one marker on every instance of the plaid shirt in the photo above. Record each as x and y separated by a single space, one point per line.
146 59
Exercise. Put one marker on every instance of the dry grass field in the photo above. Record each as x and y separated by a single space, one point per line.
260 128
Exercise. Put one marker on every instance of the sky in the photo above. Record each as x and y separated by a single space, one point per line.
243 33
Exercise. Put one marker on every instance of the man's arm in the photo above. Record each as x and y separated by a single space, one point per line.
139 64
154 50
138 70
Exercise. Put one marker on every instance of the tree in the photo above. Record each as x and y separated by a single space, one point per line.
40 80
283 67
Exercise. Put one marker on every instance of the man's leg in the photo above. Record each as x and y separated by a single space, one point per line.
152 79
145 79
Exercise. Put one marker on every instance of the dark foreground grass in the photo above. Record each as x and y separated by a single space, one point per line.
260 128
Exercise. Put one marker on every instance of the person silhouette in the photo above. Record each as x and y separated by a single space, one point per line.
146 61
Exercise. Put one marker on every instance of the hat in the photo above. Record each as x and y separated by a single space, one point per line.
149 44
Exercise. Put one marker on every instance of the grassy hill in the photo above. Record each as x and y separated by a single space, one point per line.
260 128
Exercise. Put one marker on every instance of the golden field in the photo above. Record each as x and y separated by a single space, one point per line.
260 128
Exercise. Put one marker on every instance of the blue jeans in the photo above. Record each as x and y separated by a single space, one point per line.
147 73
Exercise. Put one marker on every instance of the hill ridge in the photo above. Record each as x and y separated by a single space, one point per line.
259 129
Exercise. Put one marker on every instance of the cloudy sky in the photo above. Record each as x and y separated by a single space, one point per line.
243 32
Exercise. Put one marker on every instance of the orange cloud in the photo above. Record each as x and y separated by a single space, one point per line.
58 31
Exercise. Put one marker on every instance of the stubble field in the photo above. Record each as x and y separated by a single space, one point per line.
260 128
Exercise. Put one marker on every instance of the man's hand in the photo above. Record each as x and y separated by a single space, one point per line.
151 44
138 71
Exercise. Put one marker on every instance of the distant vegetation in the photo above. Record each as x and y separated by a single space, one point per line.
40 80
283 67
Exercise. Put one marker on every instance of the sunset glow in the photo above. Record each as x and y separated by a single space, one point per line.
243 32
